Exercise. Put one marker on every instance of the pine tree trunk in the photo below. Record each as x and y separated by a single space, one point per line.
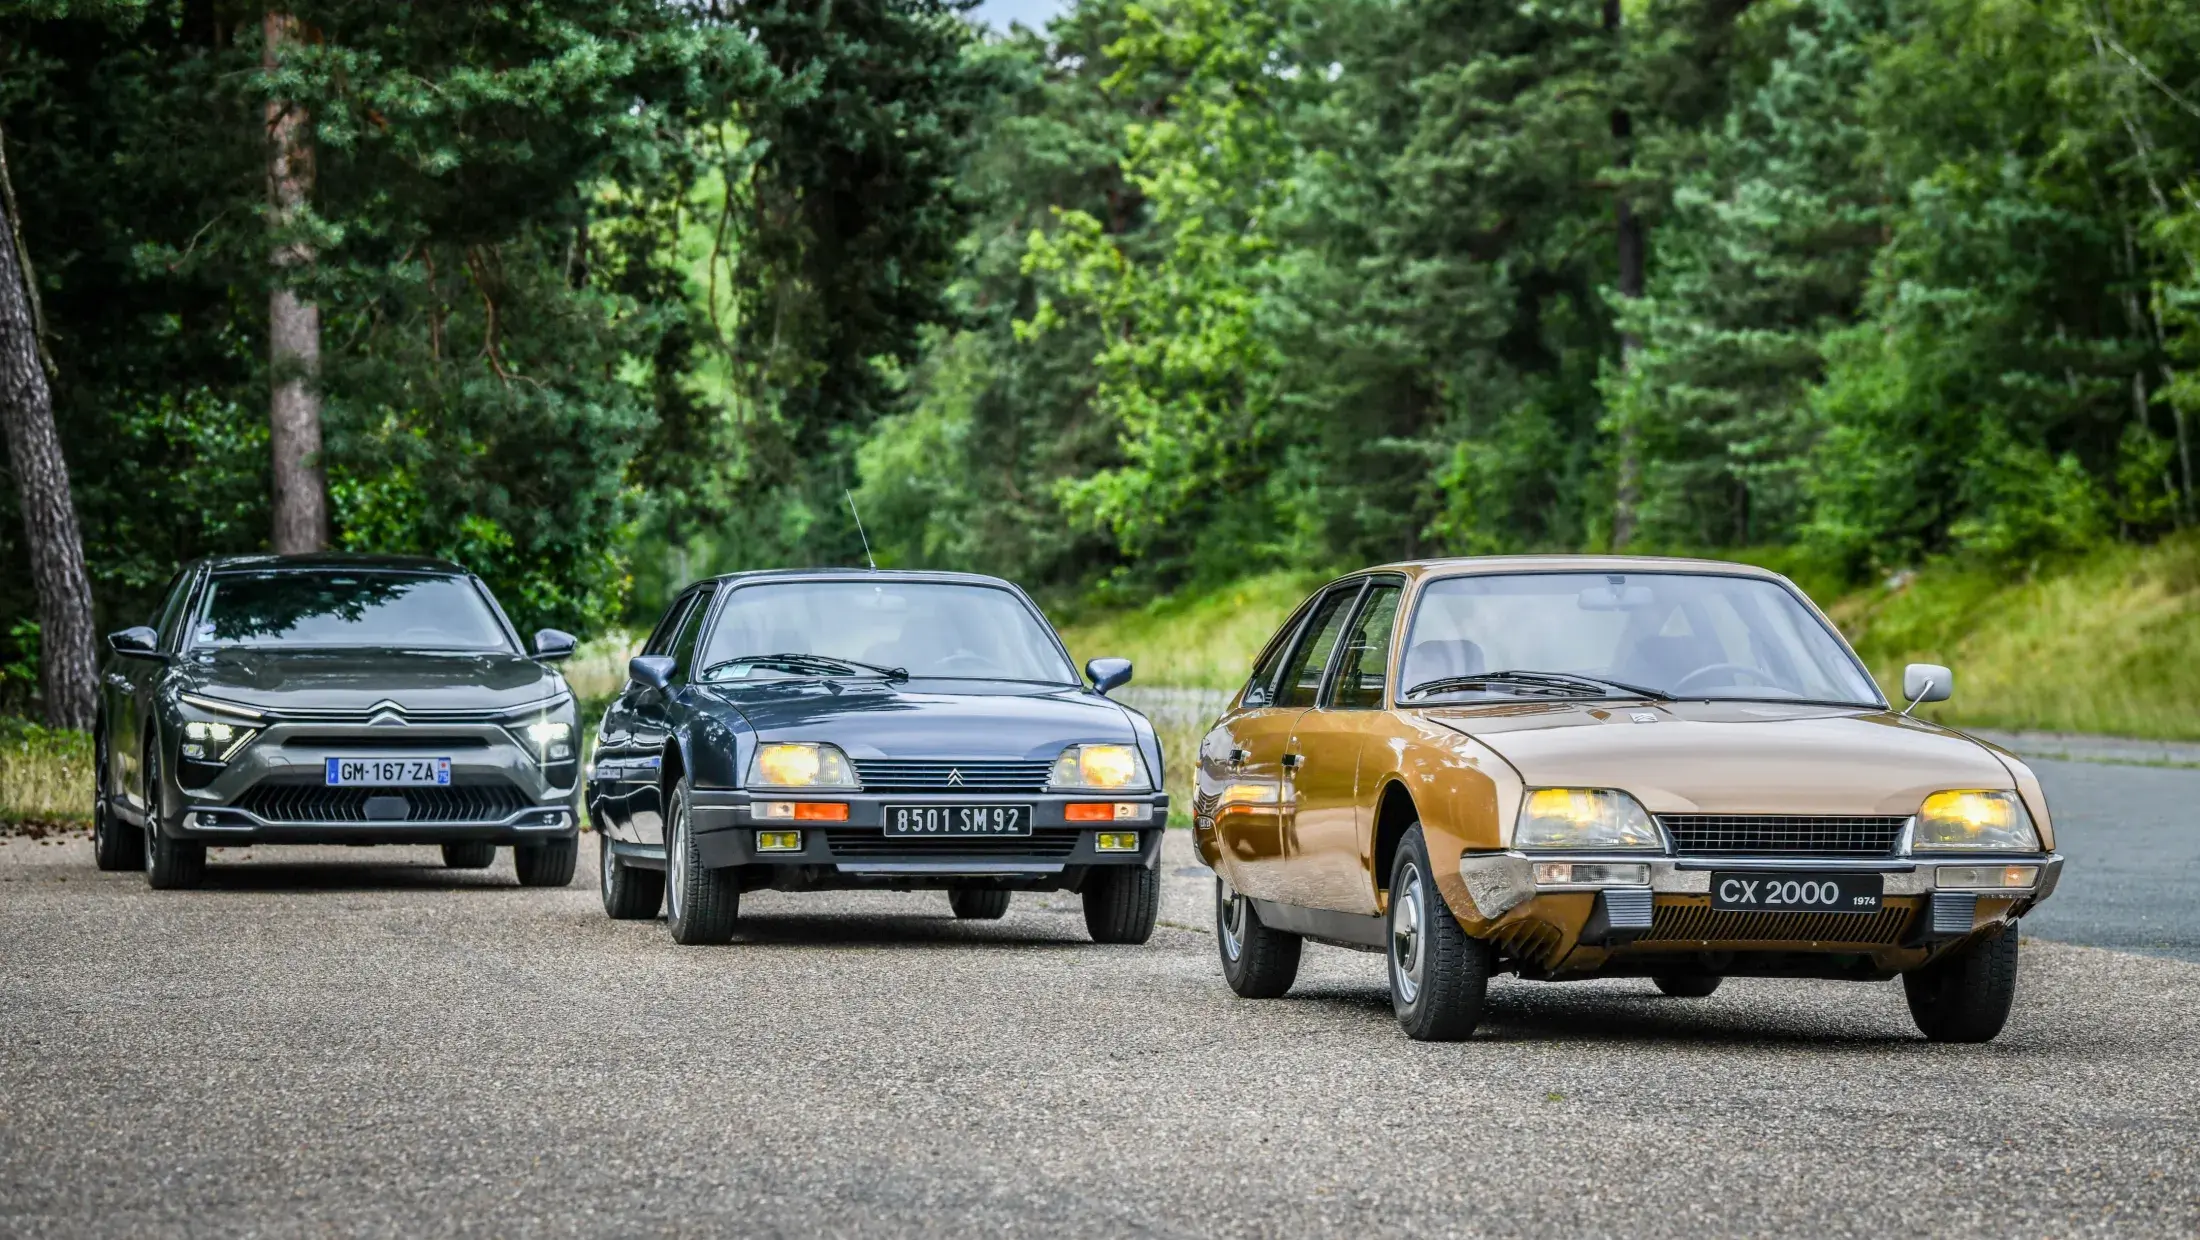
1627 480
67 668
300 499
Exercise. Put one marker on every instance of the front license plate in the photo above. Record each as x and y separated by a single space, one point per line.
1762 892
389 772
958 820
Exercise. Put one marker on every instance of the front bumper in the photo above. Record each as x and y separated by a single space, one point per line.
1575 926
727 824
274 790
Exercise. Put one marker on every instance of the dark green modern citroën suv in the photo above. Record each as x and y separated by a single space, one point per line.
334 699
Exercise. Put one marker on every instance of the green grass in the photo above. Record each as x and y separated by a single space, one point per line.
2108 643
45 774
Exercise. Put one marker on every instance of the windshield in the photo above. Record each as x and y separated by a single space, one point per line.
923 628
409 611
1692 635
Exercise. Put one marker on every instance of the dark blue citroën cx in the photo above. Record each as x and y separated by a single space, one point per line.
843 728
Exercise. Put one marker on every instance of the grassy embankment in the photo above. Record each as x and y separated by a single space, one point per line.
2107 644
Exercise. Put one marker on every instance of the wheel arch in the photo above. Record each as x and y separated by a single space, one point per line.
1395 814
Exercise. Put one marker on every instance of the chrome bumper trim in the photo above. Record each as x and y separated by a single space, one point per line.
1500 882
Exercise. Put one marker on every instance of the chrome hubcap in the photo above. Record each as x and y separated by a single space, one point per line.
1407 942
1230 914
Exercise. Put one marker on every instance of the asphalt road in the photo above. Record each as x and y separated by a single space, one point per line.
331 1040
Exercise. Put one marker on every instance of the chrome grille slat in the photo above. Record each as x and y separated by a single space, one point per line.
903 775
852 843
1782 835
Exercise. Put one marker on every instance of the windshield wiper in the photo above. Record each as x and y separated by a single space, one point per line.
817 663
1544 680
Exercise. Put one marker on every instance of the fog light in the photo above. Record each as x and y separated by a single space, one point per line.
802 811
1975 876
1591 874
779 841
1116 841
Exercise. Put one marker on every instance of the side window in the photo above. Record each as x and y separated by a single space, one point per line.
691 626
1367 652
660 641
1261 689
169 617
1302 675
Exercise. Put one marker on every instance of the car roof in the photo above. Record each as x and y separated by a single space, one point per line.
940 577
1459 565
336 561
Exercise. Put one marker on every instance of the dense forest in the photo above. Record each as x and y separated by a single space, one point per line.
604 294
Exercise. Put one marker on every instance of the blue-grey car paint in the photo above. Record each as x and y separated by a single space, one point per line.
649 737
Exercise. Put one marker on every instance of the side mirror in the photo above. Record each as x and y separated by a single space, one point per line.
554 644
135 643
1108 674
654 670
1926 682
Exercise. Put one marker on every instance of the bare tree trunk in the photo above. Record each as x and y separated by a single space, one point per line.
293 324
67 668
1627 483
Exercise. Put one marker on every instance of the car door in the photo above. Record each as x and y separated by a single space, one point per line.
1253 815
652 717
1326 840
131 685
621 767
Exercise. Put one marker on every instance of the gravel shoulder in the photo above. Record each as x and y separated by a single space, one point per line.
338 1040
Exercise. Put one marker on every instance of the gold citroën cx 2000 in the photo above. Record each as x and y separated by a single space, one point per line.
1574 767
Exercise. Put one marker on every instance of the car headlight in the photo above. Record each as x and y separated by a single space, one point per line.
1586 818
1110 767
801 766
205 741
553 741
1973 820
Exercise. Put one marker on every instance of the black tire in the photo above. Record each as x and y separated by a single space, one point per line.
1964 996
1257 962
1439 974
978 903
629 892
115 847
1688 985
702 905
548 864
469 855
1121 902
170 864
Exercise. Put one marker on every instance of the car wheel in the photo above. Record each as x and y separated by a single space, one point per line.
1257 962
629 893
1439 974
1688 985
170 864
469 855
701 904
1121 903
978 903
548 864
1964 996
114 846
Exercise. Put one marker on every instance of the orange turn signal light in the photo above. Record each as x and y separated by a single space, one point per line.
1083 811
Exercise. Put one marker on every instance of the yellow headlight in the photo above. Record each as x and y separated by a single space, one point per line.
1099 766
802 766
1970 819
1591 818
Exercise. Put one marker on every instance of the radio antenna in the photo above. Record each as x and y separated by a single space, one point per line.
867 557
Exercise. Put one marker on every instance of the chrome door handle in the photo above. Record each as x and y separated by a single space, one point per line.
1293 761
1238 757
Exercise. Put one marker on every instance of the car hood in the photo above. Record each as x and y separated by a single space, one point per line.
1733 757
359 680
929 718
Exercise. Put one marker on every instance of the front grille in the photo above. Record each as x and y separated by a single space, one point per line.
406 740
486 802
898 775
854 843
1694 923
1713 834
